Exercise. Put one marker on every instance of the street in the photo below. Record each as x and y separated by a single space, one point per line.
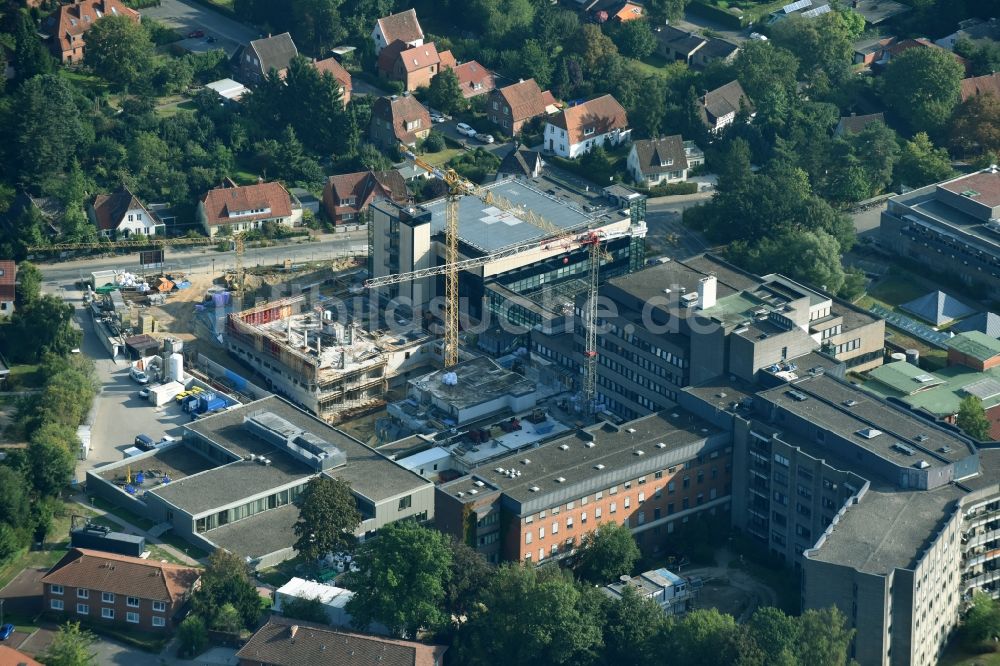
664 219
186 17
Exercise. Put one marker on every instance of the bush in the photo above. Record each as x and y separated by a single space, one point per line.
193 636
434 143
670 189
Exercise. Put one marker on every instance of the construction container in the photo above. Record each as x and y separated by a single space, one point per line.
98 537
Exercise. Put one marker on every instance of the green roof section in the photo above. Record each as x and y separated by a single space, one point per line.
976 344
734 308
944 391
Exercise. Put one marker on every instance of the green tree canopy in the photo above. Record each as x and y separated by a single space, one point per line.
47 127
922 87
328 516
975 128
470 573
30 53
920 163
226 580
15 507
29 283
607 553
192 635
824 637
52 457
972 418
45 321
120 50
634 630
403 579
982 621
635 39
308 610
445 92
71 646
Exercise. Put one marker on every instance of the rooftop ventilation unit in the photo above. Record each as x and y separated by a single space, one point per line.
589 445
661 445
473 491
640 452
479 483
923 438
598 466
564 447
797 396
560 479
526 461
850 403
944 449
903 448
631 430
922 464
304 446
534 489
869 433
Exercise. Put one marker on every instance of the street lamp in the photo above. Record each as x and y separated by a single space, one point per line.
213 269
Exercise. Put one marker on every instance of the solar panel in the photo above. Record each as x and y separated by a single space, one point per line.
796 6
812 13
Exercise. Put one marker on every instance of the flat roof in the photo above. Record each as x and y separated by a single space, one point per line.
370 473
983 187
261 534
615 452
976 344
476 381
848 411
946 388
925 209
176 462
888 529
490 229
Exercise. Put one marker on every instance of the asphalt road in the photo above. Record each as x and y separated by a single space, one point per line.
65 273
186 17
664 219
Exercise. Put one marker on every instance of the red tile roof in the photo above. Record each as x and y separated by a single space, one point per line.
364 187
8 278
602 115
629 12
75 19
224 205
336 70
403 26
398 112
419 57
387 58
447 59
525 99
470 74
980 85
120 574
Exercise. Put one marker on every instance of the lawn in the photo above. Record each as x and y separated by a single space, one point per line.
24 377
958 655
896 289
88 83
183 546
438 159
158 553
124 514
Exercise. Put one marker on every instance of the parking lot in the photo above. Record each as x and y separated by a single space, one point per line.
187 17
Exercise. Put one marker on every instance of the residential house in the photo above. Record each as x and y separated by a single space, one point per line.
333 67
521 163
121 214
695 156
803 8
70 22
855 124
720 106
8 286
629 11
656 161
904 45
399 119
981 85
402 27
253 62
510 107
578 129
288 642
413 66
128 592
876 12
244 208
870 51
692 48
347 196
473 78
973 29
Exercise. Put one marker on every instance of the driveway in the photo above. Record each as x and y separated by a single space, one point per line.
23 595
667 233
498 147
186 17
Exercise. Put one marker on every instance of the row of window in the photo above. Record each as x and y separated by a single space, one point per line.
107 613
108 597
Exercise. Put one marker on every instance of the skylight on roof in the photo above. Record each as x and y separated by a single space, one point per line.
924 378
869 433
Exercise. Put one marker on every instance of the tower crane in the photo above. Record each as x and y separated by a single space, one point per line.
593 240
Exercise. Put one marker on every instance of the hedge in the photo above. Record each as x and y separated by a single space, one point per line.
723 16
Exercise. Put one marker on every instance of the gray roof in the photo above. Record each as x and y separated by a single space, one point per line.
938 308
370 474
877 11
618 453
718 48
888 529
275 52
856 124
846 410
479 380
724 100
489 229
521 162
259 535
984 322
661 155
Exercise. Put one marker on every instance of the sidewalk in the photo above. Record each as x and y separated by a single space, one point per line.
132 529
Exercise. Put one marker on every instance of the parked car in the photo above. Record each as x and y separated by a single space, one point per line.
196 34
437 117
144 442
5 631
144 393
465 129
485 138
139 376
758 37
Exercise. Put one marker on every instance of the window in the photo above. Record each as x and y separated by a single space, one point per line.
56 589
132 617
56 604
671 487
613 491
108 613
597 513
614 507
600 494
583 518
528 537
628 484
541 533
569 523
780 459
132 602
588 131
108 597
160 606
405 502
687 482
83 609
658 475
628 502
555 527
642 497
158 621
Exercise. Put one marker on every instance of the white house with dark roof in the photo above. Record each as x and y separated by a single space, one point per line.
403 27
657 161
719 107
121 214
253 62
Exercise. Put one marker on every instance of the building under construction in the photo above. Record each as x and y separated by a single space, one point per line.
331 368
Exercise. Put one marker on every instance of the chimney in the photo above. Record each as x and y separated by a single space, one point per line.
706 292
294 629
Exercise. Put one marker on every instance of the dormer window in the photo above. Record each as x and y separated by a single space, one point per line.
666 162
588 131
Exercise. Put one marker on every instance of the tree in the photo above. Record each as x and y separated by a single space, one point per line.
47 127
972 418
307 610
776 634
119 50
975 128
445 92
476 165
46 322
606 554
193 635
52 457
470 573
704 637
983 56
592 45
635 39
982 621
920 163
29 52
29 283
434 143
666 9
70 647
922 87
824 638
227 620
403 579
11 541
528 616
328 516
810 256
877 147
14 499
633 630
226 580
